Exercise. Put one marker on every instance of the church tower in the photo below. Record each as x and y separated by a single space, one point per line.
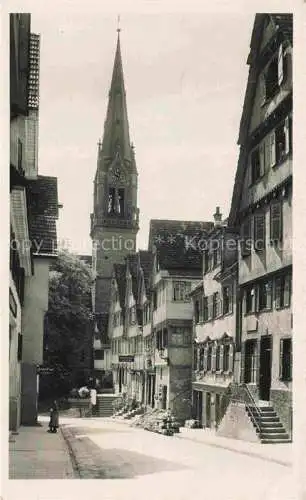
115 217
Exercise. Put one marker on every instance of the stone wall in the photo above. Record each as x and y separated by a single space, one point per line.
236 424
282 403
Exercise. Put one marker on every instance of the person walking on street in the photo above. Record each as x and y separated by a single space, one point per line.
54 418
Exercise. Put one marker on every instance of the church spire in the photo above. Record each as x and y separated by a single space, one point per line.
116 127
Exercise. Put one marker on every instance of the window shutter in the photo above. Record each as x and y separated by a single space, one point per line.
281 354
231 358
262 89
259 232
205 358
272 149
262 158
246 237
257 360
287 290
221 357
280 65
276 222
213 358
256 299
269 295
278 291
249 173
286 131
230 298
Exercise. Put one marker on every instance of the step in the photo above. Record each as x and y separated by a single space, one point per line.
267 418
273 430
274 441
276 436
267 425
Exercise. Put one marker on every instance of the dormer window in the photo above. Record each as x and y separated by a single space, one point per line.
273 76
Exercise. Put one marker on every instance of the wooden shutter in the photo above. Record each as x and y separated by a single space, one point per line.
280 65
276 222
262 158
213 358
257 362
267 152
286 131
230 298
281 354
249 172
259 232
231 358
269 294
242 363
272 149
287 290
221 357
246 237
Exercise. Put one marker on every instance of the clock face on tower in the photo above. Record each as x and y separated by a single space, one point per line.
116 174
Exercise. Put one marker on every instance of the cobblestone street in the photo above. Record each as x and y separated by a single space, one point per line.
115 452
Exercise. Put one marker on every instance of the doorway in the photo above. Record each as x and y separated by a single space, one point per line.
208 409
218 415
265 367
198 406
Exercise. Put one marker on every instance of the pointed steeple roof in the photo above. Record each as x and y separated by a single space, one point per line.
116 127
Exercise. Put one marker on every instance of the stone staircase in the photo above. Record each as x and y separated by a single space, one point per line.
104 406
267 424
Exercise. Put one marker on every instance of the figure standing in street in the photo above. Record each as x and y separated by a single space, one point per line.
54 418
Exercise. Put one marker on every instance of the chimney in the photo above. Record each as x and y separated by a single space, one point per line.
218 217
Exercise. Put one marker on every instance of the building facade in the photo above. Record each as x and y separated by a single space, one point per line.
215 323
115 218
33 215
261 212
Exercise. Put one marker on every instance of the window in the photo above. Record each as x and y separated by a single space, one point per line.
271 79
250 362
255 165
259 232
283 291
99 354
201 359
181 289
246 239
280 143
133 315
197 312
154 300
218 356
209 358
227 300
226 358
276 224
111 200
146 314
205 308
120 208
19 155
265 295
19 347
250 299
285 359
195 358
216 304
161 339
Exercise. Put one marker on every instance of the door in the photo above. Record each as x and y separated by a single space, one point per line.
164 397
197 406
120 379
208 409
265 367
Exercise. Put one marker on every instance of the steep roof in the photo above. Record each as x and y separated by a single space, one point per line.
120 276
284 23
42 200
116 126
146 264
177 244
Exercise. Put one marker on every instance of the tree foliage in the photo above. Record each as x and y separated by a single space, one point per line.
68 325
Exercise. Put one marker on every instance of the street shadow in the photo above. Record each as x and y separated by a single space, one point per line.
94 462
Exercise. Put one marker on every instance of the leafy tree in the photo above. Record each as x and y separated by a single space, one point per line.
68 326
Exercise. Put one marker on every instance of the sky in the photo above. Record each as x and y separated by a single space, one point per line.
185 78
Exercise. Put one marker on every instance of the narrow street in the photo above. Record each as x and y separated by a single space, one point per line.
134 463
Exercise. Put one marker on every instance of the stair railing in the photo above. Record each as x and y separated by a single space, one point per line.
242 394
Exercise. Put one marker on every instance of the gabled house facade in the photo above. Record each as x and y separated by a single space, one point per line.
214 323
261 212
176 268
